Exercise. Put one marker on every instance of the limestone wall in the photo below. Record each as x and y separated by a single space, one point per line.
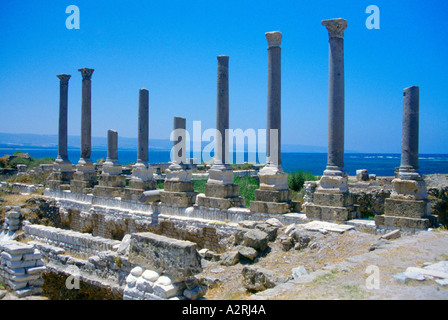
81 243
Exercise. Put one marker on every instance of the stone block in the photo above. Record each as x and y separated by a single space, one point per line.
362 175
176 258
220 203
332 199
407 208
132 194
106 180
143 185
101 191
403 222
182 199
81 186
221 190
178 186
331 213
270 207
273 195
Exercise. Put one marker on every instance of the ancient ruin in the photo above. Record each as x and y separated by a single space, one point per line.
118 232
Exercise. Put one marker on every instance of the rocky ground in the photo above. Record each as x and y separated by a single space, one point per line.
337 267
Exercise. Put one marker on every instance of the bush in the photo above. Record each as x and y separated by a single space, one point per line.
247 187
297 179
14 162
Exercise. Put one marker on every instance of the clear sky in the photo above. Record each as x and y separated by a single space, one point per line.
170 48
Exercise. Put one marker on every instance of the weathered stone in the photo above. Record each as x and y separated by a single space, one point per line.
150 275
195 293
298 272
257 279
230 258
176 258
248 252
256 239
362 175
392 235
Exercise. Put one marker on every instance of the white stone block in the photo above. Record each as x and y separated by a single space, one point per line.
150 275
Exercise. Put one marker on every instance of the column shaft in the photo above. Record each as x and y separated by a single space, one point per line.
63 105
86 114
222 111
336 103
112 145
179 145
409 142
143 126
274 106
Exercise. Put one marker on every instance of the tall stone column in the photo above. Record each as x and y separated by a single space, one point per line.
335 177
85 177
332 200
85 163
408 205
143 126
221 172
142 177
274 196
63 170
272 176
220 192
178 188
62 161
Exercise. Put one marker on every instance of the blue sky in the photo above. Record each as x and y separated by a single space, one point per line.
170 48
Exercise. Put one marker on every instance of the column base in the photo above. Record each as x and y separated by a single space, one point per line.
220 203
334 180
102 191
273 178
274 207
395 222
220 174
136 189
181 199
332 205
60 180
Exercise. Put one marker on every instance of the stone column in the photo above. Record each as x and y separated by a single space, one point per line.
273 125
408 206
177 169
335 177
272 176
142 174
111 166
111 181
143 126
85 177
178 188
274 196
86 119
332 200
62 161
409 142
409 182
221 172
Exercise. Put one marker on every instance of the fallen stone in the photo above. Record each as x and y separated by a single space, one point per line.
131 281
144 285
400 278
414 275
298 272
428 272
2 294
248 224
163 281
257 279
290 228
230 258
380 244
210 282
124 245
274 222
191 282
392 235
248 252
194 294
168 291
256 239
442 282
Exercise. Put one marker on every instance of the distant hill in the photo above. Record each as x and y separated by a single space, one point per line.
51 141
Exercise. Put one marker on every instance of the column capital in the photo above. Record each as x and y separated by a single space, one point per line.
86 73
335 27
64 78
274 38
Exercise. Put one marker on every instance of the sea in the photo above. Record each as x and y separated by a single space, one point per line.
315 163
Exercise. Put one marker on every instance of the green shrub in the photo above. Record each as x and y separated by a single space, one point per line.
247 187
296 179
199 185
